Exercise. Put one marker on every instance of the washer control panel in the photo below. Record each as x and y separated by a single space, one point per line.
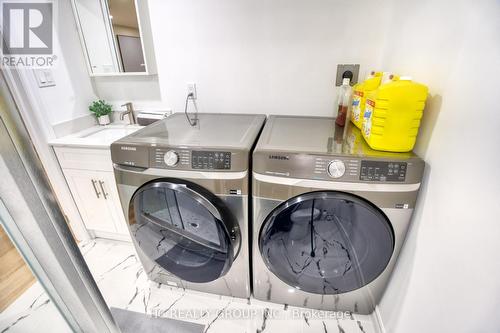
211 160
383 171
336 168
171 158
181 158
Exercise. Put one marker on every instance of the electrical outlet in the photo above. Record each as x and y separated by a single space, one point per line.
346 70
191 89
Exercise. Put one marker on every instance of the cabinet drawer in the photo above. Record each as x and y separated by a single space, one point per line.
84 159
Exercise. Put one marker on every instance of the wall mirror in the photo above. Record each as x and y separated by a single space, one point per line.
115 36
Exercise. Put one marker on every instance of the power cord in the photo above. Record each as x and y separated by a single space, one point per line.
194 121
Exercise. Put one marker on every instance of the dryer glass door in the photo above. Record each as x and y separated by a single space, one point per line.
326 242
180 227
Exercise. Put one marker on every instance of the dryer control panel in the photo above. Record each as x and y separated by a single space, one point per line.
343 168
383 171
365 170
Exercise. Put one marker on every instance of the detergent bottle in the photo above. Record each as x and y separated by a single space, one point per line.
369 97
393 113
360 91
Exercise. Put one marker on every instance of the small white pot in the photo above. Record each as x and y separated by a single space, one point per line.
103 120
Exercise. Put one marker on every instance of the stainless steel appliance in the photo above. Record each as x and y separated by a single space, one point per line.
184 191
329 214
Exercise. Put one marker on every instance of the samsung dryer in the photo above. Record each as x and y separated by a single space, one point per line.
184 192
329 214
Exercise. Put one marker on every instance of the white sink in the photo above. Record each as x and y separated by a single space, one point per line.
111 133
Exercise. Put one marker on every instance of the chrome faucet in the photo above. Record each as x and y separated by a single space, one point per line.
130 112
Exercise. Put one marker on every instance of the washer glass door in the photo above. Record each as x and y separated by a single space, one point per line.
326 242
179 226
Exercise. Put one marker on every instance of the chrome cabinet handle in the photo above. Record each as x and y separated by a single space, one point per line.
98 195
101 183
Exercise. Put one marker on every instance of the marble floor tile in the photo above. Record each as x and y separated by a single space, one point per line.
33 312
124 285
134 322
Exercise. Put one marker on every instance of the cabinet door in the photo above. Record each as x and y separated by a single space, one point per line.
108 186
88 195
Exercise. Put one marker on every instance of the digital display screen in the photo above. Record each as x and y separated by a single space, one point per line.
383 171
214 160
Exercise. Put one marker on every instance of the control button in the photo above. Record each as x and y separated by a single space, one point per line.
171 158
336 169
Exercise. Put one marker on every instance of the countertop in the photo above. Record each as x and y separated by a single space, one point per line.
99 137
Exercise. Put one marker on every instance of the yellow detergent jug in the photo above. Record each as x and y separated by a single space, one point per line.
386 77
392 115
360 91
355 144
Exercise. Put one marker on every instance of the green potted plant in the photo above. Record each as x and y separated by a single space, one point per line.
101 110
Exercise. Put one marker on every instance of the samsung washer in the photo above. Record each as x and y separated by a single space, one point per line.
329 214
184 192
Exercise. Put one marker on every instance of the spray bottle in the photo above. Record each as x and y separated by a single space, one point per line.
343 100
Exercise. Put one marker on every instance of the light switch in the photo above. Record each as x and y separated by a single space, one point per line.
48 76
44 77
41 77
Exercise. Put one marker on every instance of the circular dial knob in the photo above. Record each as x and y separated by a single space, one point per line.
171 158
336 169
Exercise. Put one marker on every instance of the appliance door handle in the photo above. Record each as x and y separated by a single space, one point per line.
97 193
183 174
335 186
182 188
106 195
126 168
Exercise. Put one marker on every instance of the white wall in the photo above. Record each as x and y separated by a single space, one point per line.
253 56
143 91
41 108
263 56
448 277
280 56
73 92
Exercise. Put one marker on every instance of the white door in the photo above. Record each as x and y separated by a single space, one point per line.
89 197
130 49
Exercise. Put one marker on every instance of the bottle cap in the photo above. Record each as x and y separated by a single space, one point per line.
387 77
346 81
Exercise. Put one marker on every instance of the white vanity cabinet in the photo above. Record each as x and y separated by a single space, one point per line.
89 174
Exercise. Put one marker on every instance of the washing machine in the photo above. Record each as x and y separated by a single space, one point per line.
184 192
329 214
